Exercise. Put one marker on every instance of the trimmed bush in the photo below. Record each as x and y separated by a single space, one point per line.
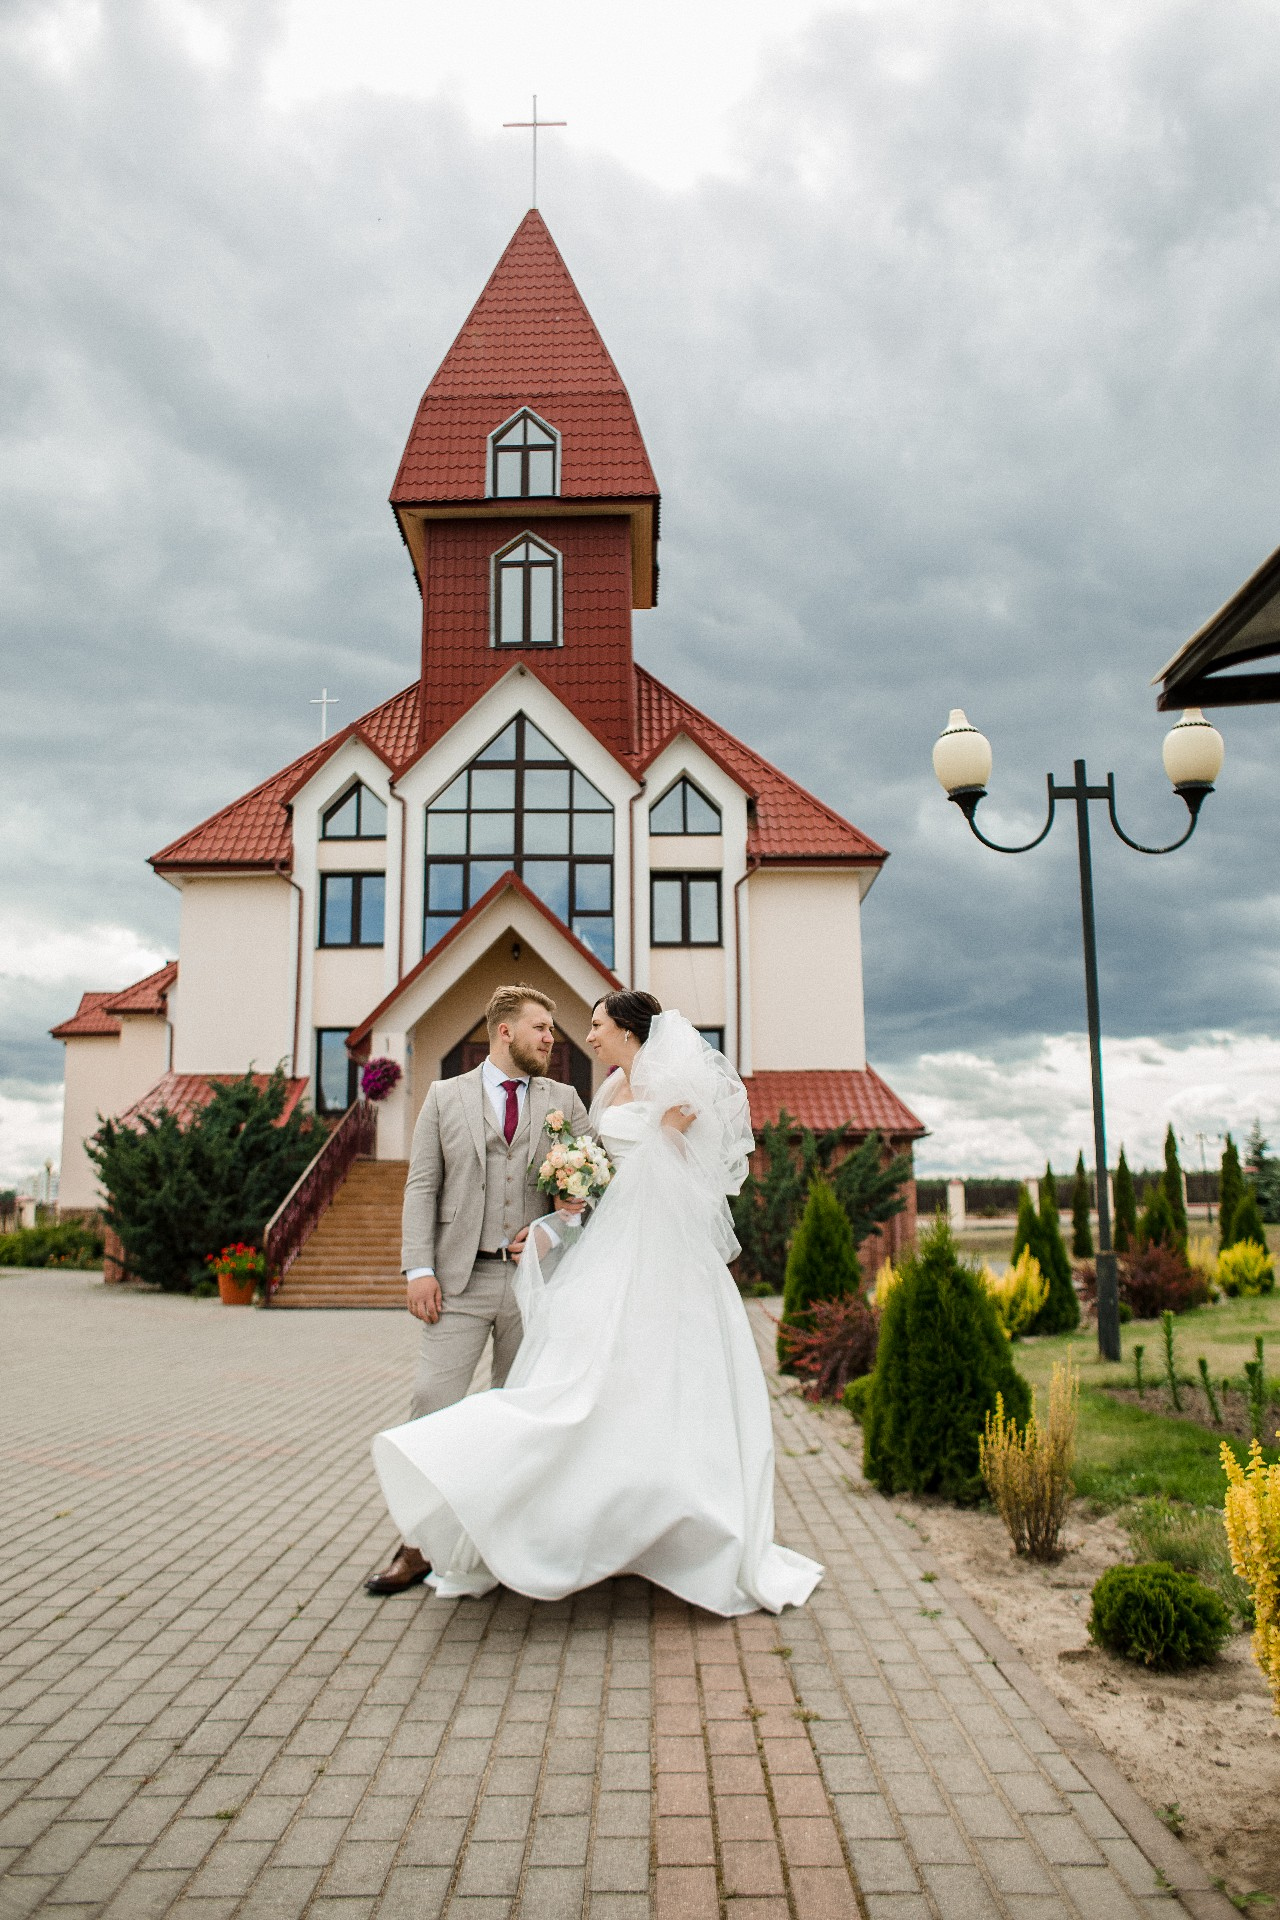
1246 1270
856 1395
1157 1616
1252 1521
1126 1223
839 1347
822 1264
943 1359
1172 1183
1081 1224
1246 1223
1230 1189
1041 1235
1156 1280
1019 1293
67 1245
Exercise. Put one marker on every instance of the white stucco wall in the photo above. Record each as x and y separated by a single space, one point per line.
692 980
346 984
805 948
237 958
104 1076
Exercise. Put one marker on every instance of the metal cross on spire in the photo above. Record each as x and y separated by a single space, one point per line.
324 703
534 124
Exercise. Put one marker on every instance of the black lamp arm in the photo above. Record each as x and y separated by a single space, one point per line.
967 798
1193 796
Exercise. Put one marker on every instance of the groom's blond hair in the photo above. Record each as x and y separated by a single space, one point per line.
507 1003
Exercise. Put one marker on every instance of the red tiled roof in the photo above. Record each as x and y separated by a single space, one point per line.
789 823
90 1017
528 342
254 831
184 1094
827 1098
147 996
510 881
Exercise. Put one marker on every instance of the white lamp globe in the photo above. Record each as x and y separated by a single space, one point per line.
961 755
1193 751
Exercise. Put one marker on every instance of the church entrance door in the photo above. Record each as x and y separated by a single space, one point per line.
568 1062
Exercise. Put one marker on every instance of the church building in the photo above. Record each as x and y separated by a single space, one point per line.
534 806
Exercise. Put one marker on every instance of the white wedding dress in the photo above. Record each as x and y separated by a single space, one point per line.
633 1434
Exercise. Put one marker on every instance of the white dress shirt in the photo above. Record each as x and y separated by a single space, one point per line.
494 1081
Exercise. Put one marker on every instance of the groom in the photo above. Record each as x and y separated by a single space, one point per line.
470 1198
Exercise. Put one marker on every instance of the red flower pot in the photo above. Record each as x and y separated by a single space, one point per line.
234 1292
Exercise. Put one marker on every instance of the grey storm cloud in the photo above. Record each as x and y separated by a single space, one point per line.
962 387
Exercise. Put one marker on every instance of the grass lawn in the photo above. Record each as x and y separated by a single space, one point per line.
1128 1452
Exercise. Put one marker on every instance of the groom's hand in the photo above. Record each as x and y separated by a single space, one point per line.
424 1299
572 1207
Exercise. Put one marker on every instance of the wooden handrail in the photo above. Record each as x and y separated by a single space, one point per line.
309 1198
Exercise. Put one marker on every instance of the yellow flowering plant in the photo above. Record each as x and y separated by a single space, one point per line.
1252 1519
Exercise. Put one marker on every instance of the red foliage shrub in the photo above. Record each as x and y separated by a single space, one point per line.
1153 1280
839 1347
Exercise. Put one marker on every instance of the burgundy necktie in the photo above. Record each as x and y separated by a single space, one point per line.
512 1120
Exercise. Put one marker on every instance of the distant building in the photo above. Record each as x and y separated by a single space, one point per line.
535 806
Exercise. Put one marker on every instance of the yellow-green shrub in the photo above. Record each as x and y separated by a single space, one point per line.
1019 1292
1028 1473
1252 1518
887 1278
1246 1269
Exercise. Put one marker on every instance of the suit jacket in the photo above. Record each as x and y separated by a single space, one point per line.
444 1193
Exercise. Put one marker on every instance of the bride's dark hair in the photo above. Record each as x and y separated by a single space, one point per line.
634 1012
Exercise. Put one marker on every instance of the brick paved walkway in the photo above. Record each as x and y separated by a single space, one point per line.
202 1714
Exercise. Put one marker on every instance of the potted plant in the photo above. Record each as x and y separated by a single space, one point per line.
241 1270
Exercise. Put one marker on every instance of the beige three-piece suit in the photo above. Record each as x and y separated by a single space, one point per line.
467 1196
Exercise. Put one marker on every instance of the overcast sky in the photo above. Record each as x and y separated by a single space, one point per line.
952 333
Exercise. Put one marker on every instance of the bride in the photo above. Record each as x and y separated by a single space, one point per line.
633 1434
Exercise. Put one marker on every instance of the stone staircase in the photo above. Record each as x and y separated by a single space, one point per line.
353 1257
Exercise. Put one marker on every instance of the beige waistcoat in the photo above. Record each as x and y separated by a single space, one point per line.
507 1180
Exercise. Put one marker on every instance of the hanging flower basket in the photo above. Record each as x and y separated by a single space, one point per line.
241 1270
379 1077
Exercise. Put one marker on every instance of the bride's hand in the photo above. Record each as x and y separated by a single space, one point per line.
679 1119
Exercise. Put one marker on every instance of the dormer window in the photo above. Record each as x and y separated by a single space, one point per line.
524 459
684 809
526 594
359 815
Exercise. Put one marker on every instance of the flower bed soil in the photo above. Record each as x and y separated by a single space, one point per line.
1234 1407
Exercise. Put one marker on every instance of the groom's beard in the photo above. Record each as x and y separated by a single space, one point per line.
527 1060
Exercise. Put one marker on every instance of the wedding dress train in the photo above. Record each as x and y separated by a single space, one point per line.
633 1434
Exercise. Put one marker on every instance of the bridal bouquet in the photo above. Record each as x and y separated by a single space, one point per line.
576 1167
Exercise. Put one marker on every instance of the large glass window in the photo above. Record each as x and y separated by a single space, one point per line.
683 809
336 1071
685 910
524 459
359 815
521 805
352 909
526 595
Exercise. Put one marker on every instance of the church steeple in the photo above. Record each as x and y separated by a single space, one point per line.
527 502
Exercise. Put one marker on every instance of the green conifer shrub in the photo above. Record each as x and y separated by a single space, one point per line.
1230 1188
868 1186
1157 1226
1157 1616
1246 1223
1081 1224
1126 1221
942 1359
1171 1180
1264 1174
766 1210
176 1194
822 1264
1029 1232
1061 1310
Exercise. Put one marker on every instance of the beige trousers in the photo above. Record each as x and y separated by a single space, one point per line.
449 1352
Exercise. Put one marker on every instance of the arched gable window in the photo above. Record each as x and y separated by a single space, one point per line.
526 594
522 805
684 808
524 459
358 815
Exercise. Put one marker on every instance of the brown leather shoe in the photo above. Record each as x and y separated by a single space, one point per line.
407 1569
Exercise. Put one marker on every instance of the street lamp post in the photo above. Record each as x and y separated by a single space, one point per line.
1192 755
